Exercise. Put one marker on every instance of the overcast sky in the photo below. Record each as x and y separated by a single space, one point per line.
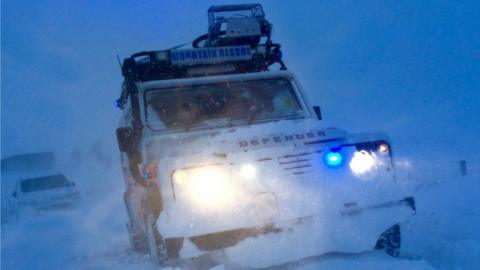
410 68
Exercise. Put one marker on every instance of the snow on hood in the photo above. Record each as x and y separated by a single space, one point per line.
227 140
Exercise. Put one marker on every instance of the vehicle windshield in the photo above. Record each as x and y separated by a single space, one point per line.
44 183
241 102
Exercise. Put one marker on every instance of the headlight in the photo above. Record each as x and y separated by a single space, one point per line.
362 162
383 148
248 171
208 186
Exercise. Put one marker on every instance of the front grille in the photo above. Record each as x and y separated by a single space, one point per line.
297 164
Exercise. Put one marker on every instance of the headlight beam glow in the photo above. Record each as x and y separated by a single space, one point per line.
207 187
362 162
248 171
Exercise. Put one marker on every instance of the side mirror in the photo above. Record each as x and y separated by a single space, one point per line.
318 112
14 194
127 139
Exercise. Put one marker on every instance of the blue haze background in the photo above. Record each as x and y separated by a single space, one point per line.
410 68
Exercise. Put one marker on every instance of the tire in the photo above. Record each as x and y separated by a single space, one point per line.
390 241
138 239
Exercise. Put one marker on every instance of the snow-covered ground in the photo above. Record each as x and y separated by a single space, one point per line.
445 231
442 235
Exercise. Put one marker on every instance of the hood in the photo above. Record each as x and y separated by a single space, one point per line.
243 138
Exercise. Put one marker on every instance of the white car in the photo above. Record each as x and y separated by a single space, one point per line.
43 193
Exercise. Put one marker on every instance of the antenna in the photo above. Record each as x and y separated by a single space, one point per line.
181 45
119 62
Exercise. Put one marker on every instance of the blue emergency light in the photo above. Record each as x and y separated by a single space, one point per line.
333 159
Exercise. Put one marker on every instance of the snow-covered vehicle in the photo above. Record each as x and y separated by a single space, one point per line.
222 155
47 192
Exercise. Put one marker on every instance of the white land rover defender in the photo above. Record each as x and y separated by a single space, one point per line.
221 155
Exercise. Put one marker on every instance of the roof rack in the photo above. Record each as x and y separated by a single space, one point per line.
233 44
185 63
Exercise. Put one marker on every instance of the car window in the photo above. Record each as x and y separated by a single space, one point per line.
44 183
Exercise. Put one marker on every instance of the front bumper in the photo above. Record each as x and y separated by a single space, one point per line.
50 204
354 229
